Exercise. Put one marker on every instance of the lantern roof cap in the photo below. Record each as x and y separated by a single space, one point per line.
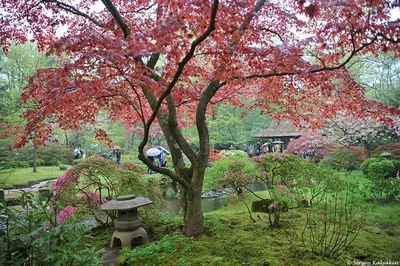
125 202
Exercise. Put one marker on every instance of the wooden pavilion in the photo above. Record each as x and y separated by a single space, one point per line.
277 131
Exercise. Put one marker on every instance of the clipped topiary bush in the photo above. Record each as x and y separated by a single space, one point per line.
344 159
383 175
382 169
365 165
392 148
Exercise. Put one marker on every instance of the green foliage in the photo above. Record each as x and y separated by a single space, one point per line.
39 162
335 221
77 161
343 159
381 169
385 185
33 236
379 72
51 154
365 165
392 148
216 172
96 180
277 168
63 167
230 127
14 164
21 62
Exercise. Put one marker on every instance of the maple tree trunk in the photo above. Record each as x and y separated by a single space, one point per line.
192 207
34 158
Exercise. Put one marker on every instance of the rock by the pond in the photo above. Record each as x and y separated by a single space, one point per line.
261 205
264 206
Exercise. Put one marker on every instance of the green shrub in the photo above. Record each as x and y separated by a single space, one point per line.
77 161
278 168
385 185
35 234
51 154
392 148
63 167
396 165
103 180
381 169
39 162
365 165
343 159
214 173
14 164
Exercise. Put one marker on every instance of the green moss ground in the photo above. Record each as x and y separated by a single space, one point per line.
231 238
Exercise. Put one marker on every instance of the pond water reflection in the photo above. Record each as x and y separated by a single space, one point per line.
209 204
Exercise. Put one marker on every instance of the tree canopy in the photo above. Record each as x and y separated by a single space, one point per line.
159 61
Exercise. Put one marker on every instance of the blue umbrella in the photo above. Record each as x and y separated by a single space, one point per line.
162 148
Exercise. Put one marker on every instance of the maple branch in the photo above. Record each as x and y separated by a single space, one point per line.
273 32
202 129
73 10
388 38
141 112
140 9
324 68
176 133
181 65
114 12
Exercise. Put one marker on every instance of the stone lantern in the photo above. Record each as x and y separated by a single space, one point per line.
128 222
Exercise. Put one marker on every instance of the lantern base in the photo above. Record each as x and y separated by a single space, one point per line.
128 239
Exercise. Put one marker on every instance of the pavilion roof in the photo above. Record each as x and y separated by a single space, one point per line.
282 128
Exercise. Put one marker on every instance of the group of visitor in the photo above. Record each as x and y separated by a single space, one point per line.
79 153
115 153
259 149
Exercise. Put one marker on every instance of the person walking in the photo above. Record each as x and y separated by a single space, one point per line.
251 150
151 158
118 156
258 147
163 159
245 148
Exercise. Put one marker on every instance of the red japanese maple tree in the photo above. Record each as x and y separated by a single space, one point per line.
153 61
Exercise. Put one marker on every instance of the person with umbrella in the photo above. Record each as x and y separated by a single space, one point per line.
151 153
277 146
